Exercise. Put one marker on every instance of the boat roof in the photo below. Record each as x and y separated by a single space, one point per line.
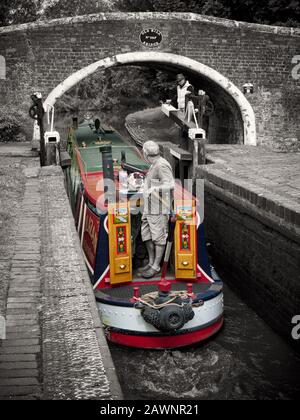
87 142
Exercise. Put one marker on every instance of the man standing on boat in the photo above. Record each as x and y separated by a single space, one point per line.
158 192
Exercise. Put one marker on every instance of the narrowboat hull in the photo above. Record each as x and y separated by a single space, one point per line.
113 251
125 325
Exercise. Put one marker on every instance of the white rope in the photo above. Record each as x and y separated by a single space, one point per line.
153 295
190 111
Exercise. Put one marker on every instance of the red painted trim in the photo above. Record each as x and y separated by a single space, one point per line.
165 342
143 282
89 244
77 206
177 195
198 272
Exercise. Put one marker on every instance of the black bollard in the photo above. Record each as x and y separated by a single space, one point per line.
37 112
75 123
97 125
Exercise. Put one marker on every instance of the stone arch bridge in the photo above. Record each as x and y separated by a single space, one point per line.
218 55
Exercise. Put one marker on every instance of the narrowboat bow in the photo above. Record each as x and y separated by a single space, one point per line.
183 307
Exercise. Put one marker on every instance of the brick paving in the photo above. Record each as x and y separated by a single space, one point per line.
76 359
278 173
13 161
23 329
55 347
268 180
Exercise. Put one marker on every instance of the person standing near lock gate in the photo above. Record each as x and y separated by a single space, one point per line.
184 89
158 192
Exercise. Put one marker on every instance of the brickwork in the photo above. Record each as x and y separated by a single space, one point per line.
55 347
39 56
12 182
76 358
252 217
20 354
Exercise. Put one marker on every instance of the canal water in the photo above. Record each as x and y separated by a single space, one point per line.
246 360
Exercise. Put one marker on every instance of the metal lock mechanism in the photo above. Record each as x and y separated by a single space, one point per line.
52 137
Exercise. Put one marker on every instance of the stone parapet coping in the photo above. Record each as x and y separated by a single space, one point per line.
155 16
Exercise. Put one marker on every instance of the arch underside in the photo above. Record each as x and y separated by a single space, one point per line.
233 120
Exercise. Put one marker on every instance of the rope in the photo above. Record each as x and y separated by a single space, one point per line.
190 111
151 296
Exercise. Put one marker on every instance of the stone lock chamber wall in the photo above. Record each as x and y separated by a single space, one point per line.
258 248
41 55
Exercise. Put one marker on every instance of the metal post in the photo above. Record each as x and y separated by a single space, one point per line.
37 112
108 174
41 113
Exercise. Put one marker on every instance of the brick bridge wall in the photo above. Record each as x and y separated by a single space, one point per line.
40 55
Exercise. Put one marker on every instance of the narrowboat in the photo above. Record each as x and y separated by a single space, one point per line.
181 306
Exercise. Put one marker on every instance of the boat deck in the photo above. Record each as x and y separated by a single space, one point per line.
126 292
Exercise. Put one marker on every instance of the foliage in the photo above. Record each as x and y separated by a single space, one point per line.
128 87
16 11
279 12
136 5
63 8
11 124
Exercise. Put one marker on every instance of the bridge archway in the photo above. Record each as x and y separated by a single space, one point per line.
168 60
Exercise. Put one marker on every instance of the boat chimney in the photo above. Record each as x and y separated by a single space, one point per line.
75 123
108 173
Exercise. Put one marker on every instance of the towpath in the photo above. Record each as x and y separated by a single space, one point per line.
55 347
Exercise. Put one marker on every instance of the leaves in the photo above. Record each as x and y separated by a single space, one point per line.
64 8
10 125
111 89
16 11
277 12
